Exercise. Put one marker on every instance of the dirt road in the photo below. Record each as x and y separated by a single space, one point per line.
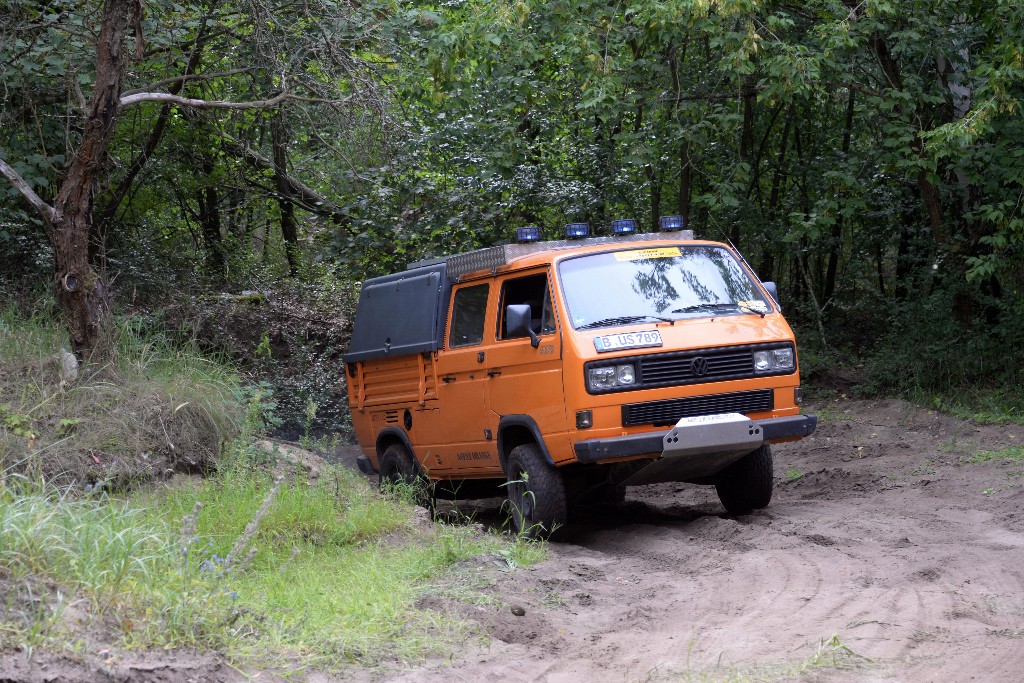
881 533
893 550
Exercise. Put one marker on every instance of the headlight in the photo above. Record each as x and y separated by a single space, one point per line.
774 360
611 376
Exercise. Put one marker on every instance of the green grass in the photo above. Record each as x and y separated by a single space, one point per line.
984 406
925 468
1011 455
244 563
828 414
792 474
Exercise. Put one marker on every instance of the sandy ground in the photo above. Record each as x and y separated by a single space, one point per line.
880 533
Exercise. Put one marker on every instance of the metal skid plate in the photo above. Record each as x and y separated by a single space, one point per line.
701 447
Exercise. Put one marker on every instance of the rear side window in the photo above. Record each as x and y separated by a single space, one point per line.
468 310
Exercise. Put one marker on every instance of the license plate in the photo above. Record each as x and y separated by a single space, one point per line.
712 419
627 340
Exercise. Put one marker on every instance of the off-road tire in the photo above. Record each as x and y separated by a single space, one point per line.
747 484
397 467
536 493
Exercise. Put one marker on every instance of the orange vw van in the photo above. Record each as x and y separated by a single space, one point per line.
564 371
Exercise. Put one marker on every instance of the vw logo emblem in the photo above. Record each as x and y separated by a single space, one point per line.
699 366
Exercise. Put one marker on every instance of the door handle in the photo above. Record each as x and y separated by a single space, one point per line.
492 373
448 378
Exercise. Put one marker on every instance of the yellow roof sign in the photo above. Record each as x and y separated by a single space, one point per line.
640 254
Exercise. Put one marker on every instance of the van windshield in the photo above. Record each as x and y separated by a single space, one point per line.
660 283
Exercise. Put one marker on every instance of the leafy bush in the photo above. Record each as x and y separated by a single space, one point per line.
928 355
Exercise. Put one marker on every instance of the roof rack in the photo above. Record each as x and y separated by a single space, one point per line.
493 257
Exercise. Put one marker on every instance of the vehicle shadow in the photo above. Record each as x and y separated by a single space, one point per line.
584 520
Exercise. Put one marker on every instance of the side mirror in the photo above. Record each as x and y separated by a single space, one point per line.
773 291
517 323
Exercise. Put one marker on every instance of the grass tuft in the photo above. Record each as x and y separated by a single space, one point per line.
829 654
1011 455
153 408
258 558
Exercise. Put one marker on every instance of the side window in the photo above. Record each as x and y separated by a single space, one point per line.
468 311
532 290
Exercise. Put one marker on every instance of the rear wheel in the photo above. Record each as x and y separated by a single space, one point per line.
747 484
536 492
398 470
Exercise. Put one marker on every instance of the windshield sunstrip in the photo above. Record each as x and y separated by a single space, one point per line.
717 364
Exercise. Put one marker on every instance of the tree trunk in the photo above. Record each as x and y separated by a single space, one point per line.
837 227
684 181
209 220
116 197
746 140
79 290
766 267
929 193
289 229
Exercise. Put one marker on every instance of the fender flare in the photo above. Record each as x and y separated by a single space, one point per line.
386 434
525 421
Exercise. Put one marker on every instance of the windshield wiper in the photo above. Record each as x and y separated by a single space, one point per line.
624 320
706 307
738 306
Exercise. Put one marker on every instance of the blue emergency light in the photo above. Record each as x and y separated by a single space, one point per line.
575 230
527 233
623 226
672 223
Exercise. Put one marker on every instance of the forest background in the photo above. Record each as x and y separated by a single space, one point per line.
230 170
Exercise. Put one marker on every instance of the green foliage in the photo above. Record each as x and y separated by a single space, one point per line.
862 157
925 352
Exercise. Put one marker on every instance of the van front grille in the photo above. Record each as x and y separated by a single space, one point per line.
660 413
695 366
679 369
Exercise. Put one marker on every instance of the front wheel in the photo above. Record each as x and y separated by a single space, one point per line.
536 493
747 484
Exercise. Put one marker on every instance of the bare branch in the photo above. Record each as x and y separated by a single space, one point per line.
168 98
48 213
202 104
300 193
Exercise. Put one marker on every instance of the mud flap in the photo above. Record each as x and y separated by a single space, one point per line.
365 466
701 447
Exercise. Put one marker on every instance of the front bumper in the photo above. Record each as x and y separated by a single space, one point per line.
697 452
